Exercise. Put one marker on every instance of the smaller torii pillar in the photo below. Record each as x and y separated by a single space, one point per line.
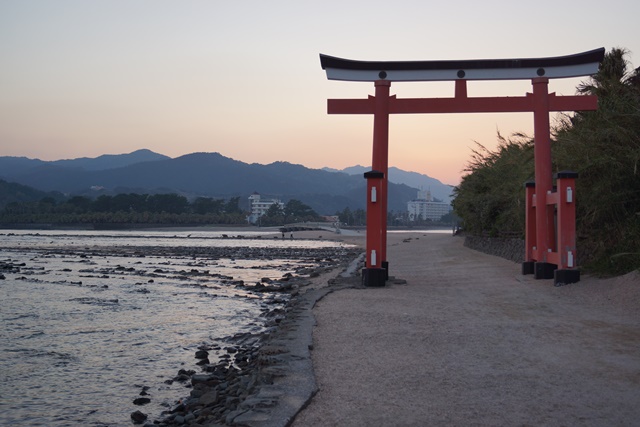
549 253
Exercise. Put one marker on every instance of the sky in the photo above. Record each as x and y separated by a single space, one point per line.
82 78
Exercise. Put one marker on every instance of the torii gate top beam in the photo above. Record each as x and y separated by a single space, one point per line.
579 64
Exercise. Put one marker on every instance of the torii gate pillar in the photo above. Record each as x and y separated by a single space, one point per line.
380 162
544 214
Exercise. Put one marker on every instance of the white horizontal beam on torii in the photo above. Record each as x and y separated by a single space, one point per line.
576 65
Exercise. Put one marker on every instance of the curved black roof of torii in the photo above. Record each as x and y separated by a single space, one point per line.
579 64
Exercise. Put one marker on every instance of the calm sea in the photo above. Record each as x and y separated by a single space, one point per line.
91 318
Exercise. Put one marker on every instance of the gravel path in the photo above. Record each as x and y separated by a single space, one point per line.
469 341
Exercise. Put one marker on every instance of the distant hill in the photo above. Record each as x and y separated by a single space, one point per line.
10 167
198 174
412 179
111 161
11 192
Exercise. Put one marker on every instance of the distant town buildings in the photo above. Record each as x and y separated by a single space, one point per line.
425 208
260 206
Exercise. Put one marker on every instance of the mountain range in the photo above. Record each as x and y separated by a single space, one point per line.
213 175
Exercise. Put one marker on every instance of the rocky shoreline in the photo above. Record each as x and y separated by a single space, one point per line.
259 379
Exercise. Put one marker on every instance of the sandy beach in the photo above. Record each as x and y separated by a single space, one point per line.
467 340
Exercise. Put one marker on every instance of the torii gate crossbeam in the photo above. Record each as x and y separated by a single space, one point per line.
461 104
546 250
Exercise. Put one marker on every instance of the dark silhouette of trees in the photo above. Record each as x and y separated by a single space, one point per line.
273 216
296 211
126 209
352 218
293 211
233 206
207 205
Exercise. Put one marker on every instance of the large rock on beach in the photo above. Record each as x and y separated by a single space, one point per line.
138 417
202 354
208 398
141 401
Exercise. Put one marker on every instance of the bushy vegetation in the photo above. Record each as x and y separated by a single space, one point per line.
603 146
490 198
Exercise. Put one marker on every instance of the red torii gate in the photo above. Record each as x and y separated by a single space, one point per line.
549 253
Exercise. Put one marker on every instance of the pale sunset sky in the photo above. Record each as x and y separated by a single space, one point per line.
81 78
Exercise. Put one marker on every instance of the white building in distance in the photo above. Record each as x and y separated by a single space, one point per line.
425 208
260 206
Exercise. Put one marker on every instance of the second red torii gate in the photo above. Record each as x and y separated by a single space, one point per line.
545 252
